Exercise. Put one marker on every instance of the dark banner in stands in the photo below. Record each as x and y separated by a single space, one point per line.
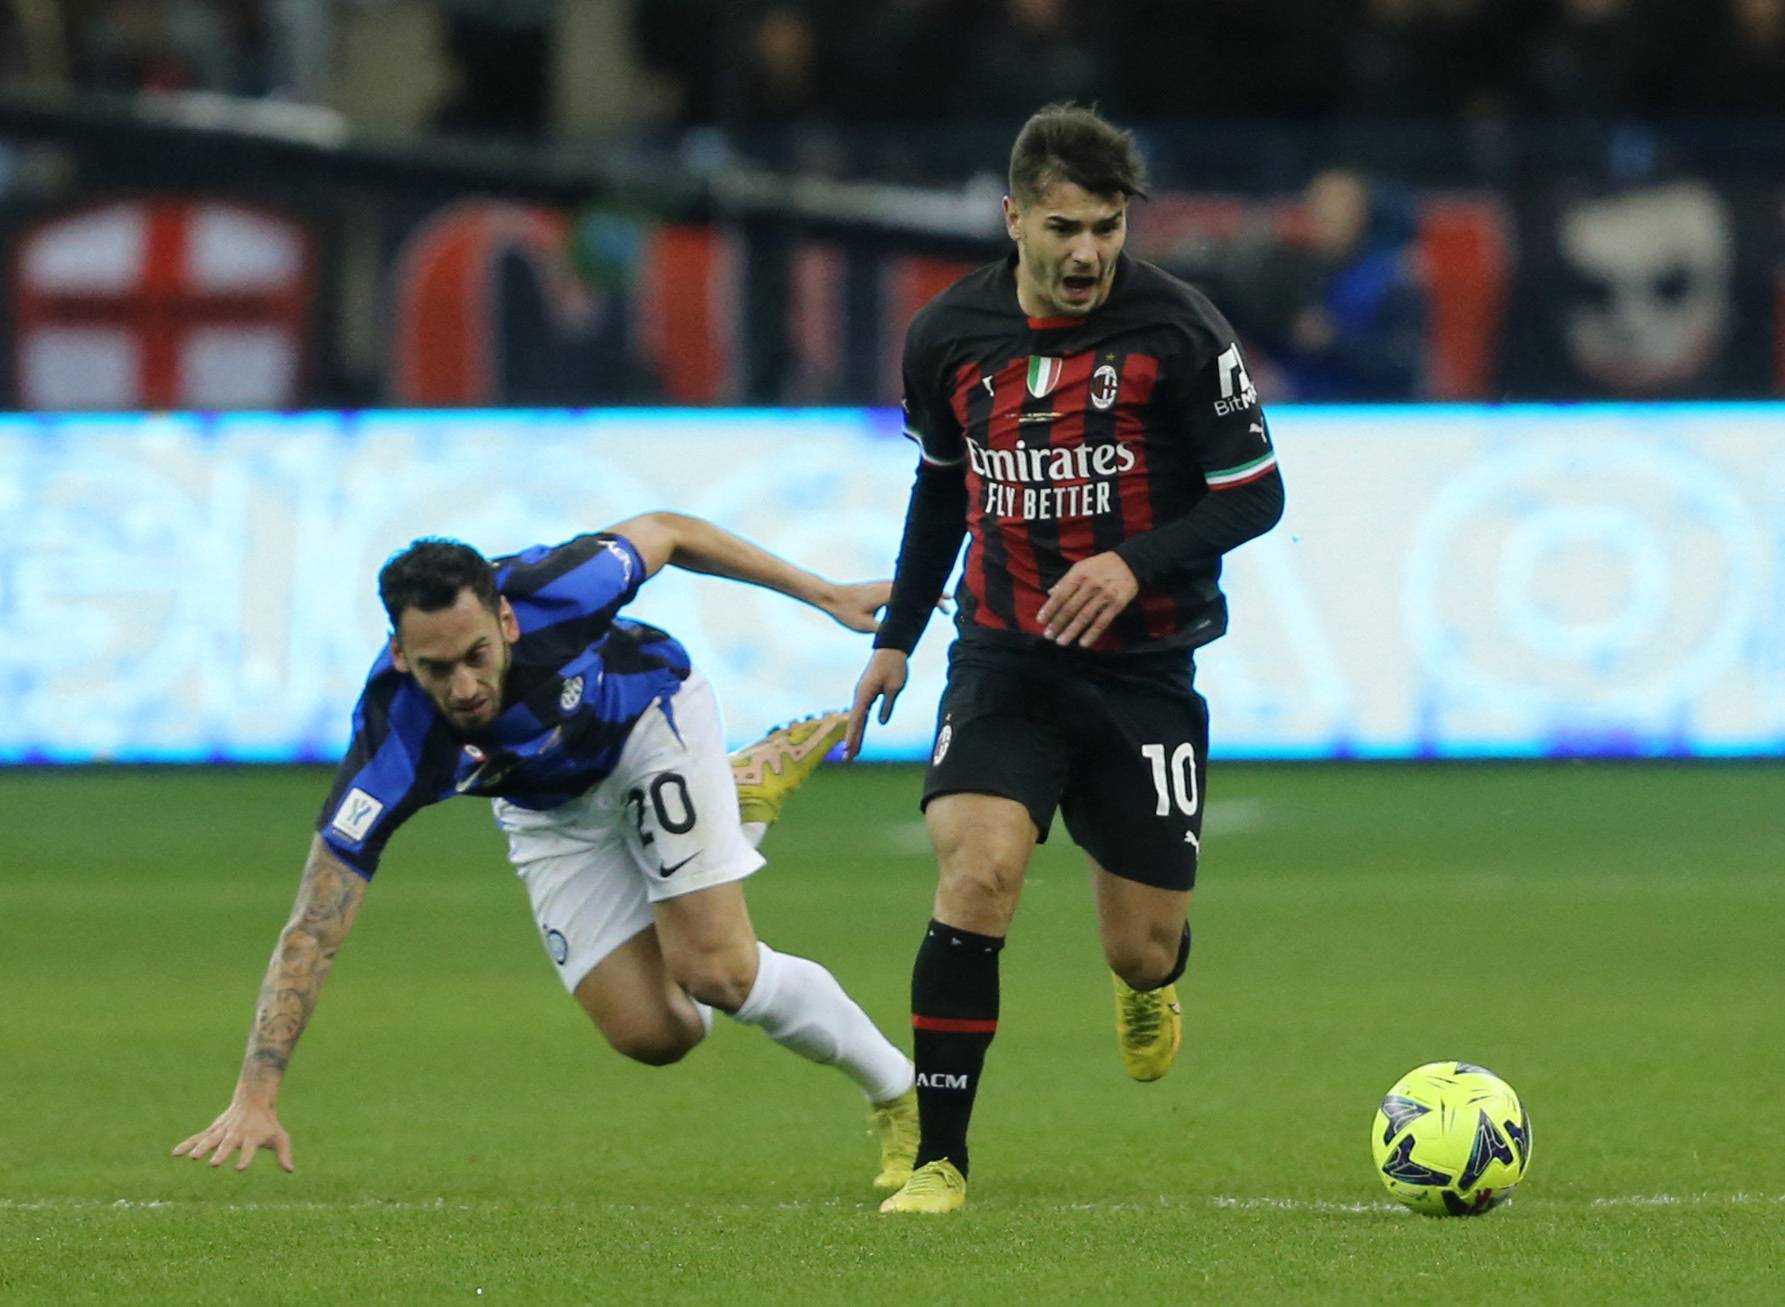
1669 289
150 264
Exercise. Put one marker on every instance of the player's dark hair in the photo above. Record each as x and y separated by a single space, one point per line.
1067 142
430 574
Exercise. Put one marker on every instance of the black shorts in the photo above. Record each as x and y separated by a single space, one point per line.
1121 750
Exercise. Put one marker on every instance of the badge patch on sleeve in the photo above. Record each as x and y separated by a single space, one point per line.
354 818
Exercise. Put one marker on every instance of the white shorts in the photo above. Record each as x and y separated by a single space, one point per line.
663 824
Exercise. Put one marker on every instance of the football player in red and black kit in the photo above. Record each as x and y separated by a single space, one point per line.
1087 420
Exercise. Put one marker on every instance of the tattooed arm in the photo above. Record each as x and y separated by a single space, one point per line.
327 900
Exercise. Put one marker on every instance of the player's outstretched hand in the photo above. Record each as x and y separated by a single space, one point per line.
1085 601
243 1128
882 679
855 603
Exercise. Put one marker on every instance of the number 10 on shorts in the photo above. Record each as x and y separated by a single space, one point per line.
1174 782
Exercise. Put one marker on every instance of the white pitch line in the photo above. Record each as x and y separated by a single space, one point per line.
1223 1201
1311 1205
1689 1200
296 1205
1260 1203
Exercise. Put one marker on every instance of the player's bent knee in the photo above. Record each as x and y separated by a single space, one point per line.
965 848
984 902
987 879
1142 964
717 981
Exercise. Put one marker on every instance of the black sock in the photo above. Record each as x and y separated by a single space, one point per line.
954 1013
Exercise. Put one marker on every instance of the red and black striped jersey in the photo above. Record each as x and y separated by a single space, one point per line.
1079 435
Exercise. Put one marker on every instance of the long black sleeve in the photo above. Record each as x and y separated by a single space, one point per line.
935 522
1220 520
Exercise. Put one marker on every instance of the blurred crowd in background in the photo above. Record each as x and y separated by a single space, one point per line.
762 62
712 201
910 60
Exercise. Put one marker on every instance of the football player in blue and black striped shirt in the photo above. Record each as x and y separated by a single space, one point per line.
600 748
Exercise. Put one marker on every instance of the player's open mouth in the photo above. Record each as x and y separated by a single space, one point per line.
1079 287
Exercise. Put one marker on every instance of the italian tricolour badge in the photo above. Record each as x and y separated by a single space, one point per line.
1044 375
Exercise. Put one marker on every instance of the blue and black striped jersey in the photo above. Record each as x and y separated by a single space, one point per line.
580 677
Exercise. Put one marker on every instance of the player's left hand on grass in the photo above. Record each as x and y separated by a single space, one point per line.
243 1127
855 604
1083 603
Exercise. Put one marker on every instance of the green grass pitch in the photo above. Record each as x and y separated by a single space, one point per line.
1607 938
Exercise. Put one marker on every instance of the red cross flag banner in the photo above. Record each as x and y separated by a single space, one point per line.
160 303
